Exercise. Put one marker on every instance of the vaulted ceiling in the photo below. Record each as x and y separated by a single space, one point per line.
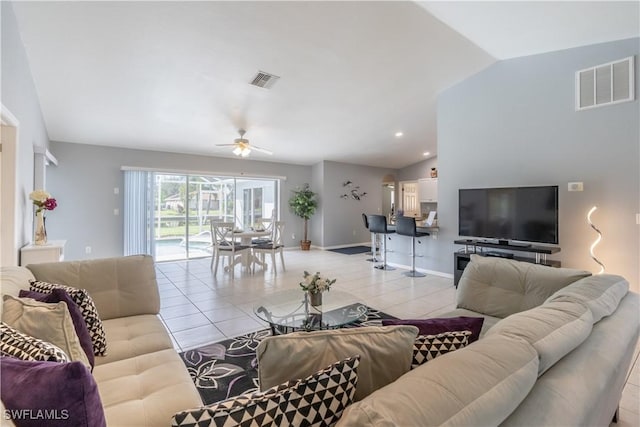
174 76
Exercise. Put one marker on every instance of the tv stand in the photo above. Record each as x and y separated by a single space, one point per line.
519 245
474 246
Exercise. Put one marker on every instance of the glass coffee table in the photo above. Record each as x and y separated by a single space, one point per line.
290 311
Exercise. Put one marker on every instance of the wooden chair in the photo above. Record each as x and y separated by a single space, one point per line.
225 245
276 245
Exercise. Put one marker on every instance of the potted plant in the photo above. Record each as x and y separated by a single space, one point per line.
303 203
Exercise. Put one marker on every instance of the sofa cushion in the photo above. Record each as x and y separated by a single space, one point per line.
500 287
120 287
479 385
428 347
133 336
88 309
601 293
553 329
441 325
25 347
50 322
65 391
585 386
317 400
385 354
79 324
145 390
13 280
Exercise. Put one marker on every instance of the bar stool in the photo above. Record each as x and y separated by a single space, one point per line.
406 226
378 225
373 239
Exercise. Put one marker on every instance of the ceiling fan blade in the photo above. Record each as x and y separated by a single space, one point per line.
261 150
226 145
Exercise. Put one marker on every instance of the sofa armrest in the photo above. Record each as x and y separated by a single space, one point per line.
122 286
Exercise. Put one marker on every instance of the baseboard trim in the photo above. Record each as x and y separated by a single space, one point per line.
422 270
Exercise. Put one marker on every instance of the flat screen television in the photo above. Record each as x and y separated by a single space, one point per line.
526 214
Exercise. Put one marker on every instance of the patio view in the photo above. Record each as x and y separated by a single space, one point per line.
184 205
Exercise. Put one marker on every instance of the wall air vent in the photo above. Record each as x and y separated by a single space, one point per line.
264 80
605 84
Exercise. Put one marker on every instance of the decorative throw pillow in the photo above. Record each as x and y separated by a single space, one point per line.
50 322
317 400
88 310
51 394
440 325
21 346
427 347
79 324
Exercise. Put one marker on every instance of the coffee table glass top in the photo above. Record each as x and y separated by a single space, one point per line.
287 311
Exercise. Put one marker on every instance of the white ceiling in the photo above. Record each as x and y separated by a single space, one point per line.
173 76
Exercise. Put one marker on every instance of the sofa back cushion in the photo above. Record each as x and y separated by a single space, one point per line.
553 329
500 287
119 287
601 293
479 385
385 354
13 280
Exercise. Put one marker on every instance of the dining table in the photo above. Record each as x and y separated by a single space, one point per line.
245 236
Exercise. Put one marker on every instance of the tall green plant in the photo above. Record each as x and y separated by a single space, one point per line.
303 203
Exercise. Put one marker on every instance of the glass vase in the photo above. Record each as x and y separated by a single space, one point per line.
40 235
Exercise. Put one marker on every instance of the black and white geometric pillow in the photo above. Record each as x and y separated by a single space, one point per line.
87 308
427 347
24 347
317 400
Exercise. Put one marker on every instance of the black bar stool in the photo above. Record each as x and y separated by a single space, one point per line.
373 239
406 226
378 224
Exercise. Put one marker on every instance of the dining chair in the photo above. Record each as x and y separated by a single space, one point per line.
225 245
276 245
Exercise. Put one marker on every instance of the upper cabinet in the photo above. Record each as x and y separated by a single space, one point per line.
428 190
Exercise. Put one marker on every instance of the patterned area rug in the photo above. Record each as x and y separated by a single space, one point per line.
229 368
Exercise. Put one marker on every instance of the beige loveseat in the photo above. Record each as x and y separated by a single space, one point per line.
556 351
142 381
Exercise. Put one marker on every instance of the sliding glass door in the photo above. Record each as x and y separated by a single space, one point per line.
181 207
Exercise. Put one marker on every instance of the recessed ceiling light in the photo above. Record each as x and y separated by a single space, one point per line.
399 134
426 153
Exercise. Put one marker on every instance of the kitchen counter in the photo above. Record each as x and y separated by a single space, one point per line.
392 227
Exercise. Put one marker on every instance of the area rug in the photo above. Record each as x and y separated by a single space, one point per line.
352 250
229 368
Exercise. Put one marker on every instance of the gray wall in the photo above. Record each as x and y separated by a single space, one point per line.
316 223
515 124
20 98
87 174
418 170
339 221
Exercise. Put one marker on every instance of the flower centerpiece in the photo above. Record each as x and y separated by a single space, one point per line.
43 202
314 285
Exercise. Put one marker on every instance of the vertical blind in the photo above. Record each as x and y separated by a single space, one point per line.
137 239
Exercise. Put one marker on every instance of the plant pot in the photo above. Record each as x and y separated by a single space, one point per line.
305 245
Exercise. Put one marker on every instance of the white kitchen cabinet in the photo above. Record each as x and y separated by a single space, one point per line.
428 190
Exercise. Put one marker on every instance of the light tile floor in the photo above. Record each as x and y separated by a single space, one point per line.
198 307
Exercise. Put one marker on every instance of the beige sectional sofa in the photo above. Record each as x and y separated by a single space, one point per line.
556 351
142 380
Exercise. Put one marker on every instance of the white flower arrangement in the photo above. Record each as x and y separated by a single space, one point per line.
315 283
43 200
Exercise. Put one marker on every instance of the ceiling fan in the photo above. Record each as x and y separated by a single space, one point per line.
242 147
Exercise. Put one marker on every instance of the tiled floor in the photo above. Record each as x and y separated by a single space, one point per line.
198 308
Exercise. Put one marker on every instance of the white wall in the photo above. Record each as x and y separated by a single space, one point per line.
19 96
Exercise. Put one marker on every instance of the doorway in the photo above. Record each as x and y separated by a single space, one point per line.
8 192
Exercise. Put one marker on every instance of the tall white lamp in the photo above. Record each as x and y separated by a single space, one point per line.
595 242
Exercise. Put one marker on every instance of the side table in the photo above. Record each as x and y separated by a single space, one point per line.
53 251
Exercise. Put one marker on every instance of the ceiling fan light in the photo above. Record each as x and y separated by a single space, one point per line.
237 151
245 152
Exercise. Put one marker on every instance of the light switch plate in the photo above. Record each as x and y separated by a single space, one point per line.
575 186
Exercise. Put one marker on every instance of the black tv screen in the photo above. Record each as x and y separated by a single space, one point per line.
528 214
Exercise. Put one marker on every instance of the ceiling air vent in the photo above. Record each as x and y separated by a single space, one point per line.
264 80
605 84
